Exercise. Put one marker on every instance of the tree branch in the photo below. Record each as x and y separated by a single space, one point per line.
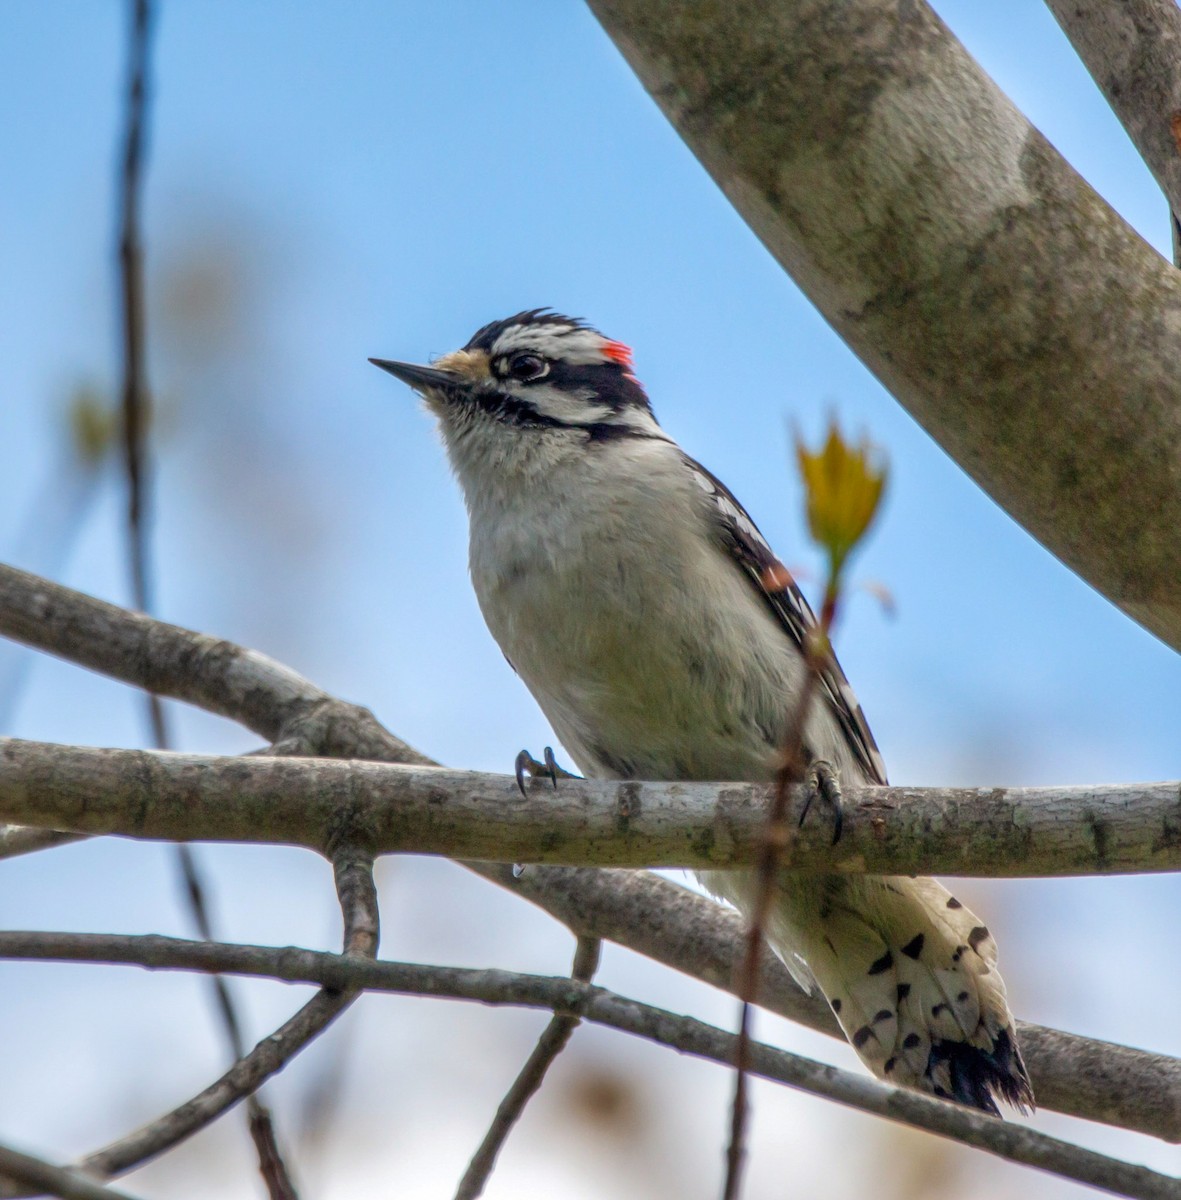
573 998
1081 1077
997 832
44 1178
353 870
1133 51
1004 304
1133 1089
551 1043
218 676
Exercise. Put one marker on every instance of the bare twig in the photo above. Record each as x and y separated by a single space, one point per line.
1082 1077
551 1043
45 1179
772 846
245 1076
131 285
1016 1143
1133 51
271 1164
1118 1085
248 687
136 420
352 868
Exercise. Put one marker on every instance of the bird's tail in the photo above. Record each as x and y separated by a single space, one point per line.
909 972
911 975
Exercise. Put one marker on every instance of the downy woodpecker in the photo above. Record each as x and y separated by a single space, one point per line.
628 588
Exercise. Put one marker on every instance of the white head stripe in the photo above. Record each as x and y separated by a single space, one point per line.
559 342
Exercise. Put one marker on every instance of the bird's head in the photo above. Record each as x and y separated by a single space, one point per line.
535 375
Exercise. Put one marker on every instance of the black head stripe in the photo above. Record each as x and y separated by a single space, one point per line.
485 339
610 383
521 413
512 411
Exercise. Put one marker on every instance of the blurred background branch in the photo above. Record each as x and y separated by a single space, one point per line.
137 422
573 1000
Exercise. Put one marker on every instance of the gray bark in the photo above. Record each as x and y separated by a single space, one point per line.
1133 51
996 832
577 999
1007 307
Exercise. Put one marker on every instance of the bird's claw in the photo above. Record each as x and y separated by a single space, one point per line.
823 783
549 768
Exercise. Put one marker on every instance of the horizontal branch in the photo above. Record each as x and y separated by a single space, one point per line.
467 814
353 872
571 997
44 1178
1081 1077
1095 1080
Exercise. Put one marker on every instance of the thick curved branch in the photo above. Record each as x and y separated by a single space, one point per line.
1133 1089
574 998
1133 51
467 814
1029 330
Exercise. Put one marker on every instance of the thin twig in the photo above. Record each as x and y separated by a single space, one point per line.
348 973
245 1076
136 421
220 677
353 872
1098 1081
46 1179
771 850
551 1043
131 284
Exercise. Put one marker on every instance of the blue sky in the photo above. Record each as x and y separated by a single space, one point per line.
328 183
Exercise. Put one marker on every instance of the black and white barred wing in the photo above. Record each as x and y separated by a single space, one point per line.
749 549
909 971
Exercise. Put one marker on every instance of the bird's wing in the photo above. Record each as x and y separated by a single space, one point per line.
741 539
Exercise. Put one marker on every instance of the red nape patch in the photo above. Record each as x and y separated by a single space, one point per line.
619 353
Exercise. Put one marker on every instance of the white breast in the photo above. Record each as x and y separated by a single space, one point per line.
646 647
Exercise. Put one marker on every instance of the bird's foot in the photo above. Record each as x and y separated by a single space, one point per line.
549 769
824 785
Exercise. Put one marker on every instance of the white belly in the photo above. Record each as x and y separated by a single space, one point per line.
684 674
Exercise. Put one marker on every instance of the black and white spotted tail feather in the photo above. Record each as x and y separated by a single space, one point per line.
975 1076
911 975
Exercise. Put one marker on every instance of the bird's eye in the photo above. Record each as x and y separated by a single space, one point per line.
524 367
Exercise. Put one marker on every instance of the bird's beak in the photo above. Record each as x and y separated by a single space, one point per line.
418 377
